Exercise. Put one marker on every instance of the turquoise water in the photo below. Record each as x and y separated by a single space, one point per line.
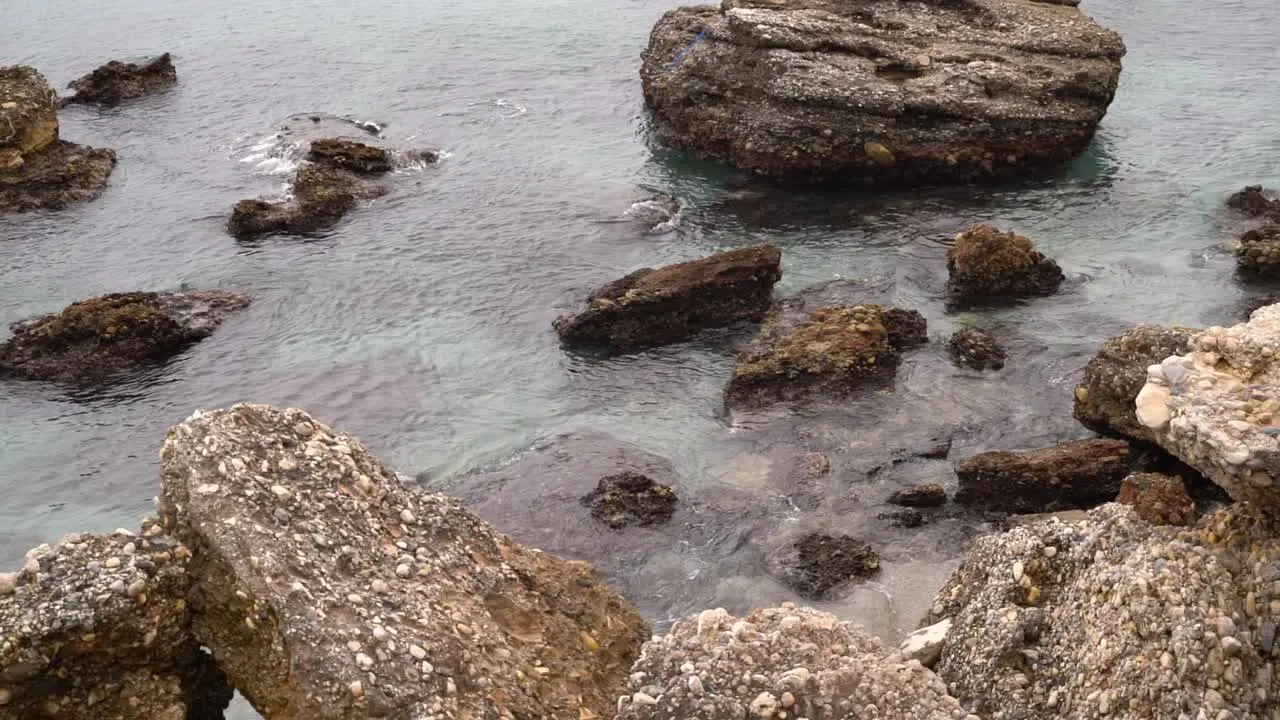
422 323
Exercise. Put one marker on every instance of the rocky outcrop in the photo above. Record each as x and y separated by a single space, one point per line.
324 190
975 348
119 81
829 352
1258 255
97 627
1217 407
1114 617
917 496
95 340
785 662
1078 474
985 263
652 307
1256 202
37 170
328 589
883 91
1158 499
815 564
1112 379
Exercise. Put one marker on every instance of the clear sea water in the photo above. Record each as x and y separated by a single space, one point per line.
422 323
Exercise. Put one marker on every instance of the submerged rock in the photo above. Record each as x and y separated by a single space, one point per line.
652 307
1078 474
92 340
829 352
37 170
816 563
323 192
118 81
1158 499
1104 399
328 589
1217 407
975 348
629 498
986 263
1114 617
659 213
918 496
97 627
883 91
778 662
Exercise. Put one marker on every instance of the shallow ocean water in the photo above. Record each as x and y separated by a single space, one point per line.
422 323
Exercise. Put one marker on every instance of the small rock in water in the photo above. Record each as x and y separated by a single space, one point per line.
927 495
975 348
629 498
823 562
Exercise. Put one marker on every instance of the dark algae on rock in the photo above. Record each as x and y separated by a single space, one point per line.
629 498
987 264
824 562
118 81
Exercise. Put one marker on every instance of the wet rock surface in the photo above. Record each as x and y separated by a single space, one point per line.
629 498
93 341
987 264
97 627
1104 399
975 348
779 662
1158 499
330 590
652 307
1258 255
29 109
350 155
1114 617
920 496
886 91
1256 202
1079 474
1217 407
815 564
118 81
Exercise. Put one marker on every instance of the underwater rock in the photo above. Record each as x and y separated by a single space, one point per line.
816 563
985 263
118 81
1104 399
975 348
1078 474
629 498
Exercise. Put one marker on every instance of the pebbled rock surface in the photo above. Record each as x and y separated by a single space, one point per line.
985 263
786 662
1114 617
1078 474
1258 255
330 590
119 81
1217 408
97 627
975 348
1112 379
28 114
880 91
652 307
93 341
1158 499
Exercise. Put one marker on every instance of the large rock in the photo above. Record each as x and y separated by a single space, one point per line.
1078 474
119 81
98 627
330 590
29 109
1114 617
94 340
1112 379
1217 408
656 307
885 91
986 263
785 662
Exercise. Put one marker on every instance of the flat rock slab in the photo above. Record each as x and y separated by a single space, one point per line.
331 590
118 81
652 307
1079 474
882 91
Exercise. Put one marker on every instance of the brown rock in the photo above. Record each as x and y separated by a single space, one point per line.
629 498
986 263
1257 202
1258 254
93 340
322 194
657 307
1158 499
975 348
927 495
351 155
1078 474
329 589
118 81
1104 399
817 563
61 175
28 110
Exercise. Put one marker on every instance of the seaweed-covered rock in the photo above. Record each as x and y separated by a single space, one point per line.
1258 254
93 340
119 81
880 91
1158 499
975 348
29 109
827 353
918 496
97 627
351 155
986 263
1115 617
1256 202
785 662
1217 407
1078 474
814 564
651 307
629 498
322 194
328 589
1104 399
